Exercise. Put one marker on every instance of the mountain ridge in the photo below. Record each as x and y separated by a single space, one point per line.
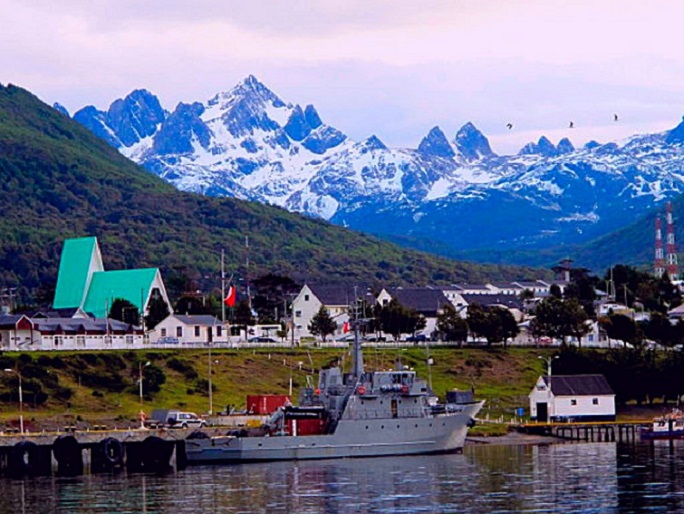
248 143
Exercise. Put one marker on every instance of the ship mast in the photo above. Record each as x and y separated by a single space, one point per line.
357 354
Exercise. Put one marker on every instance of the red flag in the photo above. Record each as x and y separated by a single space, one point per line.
230 299
345 327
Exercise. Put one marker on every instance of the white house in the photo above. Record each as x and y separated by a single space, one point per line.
312 297
572 398
190 329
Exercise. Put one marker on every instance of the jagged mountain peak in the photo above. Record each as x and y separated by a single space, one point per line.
565 146
249 89
471 143
676 135
436 143
543 147
372 143
312 117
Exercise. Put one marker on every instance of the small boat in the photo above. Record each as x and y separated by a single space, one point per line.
668 426
356 414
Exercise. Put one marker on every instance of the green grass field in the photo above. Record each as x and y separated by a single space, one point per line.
104 387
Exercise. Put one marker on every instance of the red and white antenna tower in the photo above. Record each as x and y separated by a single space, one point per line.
670 247
659 267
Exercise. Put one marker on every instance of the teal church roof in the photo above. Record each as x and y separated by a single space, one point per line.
106 286
82 281
75 271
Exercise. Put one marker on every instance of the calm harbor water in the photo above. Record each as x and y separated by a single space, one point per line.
580 477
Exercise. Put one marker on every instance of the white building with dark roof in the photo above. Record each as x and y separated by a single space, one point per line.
189 328
572 398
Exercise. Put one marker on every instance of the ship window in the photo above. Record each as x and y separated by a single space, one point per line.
416 425
573 402
382 426
595 401
366 427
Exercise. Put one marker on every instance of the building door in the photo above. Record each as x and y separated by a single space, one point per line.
542 412
210 334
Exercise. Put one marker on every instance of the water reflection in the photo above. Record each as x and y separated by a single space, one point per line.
592 477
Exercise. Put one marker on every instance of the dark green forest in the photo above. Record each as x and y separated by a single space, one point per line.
58 180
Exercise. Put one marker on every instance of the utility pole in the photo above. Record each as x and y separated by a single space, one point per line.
223 289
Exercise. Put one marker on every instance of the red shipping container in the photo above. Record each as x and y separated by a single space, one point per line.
265 404
304 426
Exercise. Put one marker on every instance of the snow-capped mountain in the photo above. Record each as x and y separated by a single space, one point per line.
250 144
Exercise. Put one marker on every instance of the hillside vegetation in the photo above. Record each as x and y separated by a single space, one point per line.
58 180
102 386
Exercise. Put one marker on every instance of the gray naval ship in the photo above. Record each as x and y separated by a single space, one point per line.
357 414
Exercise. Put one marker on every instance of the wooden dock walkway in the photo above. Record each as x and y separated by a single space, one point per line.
590 431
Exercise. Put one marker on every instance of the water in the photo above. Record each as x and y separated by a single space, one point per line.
583 477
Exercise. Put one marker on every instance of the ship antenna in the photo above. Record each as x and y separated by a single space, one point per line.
357 353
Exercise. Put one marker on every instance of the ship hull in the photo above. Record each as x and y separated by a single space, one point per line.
352 438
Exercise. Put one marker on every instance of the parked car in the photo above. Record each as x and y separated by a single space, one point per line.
346 338
417 338
168 340
373 338
176 419
261 339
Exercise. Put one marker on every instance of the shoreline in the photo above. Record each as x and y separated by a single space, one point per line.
512 439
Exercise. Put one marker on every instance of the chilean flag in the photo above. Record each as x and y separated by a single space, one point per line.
230 299
345 327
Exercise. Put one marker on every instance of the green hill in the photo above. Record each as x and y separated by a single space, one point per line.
58 180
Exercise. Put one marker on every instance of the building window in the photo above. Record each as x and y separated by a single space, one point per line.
179 331
573 402
197 331
595 401
80 341
298 314
306 297
163 332
129 339
219 331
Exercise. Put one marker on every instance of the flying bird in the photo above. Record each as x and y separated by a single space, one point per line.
572 124
509 125
615 117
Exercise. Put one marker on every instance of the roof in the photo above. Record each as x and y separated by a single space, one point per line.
9 320
335 294
487 300
78 255
422 299
578 385
197 319
79 324
106 286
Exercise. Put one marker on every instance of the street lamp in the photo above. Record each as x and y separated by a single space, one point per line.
21 399
549 360
141 367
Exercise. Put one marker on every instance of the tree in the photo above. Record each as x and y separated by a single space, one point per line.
496 324
322 324
125 311
451 326
660 329
192 304
242 314
157 310
395 319
623 328
560 319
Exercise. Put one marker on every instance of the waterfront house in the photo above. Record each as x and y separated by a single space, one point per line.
426 301
572 398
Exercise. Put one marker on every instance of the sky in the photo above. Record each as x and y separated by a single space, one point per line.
390 68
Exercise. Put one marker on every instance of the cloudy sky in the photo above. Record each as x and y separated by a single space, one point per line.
393 68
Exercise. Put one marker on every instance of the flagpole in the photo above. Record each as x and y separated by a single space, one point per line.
223 289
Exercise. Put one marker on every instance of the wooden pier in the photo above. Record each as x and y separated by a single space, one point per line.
595 431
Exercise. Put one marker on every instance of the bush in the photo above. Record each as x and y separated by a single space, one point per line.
183 367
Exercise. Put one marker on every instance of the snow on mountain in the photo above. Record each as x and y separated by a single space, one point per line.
250 144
